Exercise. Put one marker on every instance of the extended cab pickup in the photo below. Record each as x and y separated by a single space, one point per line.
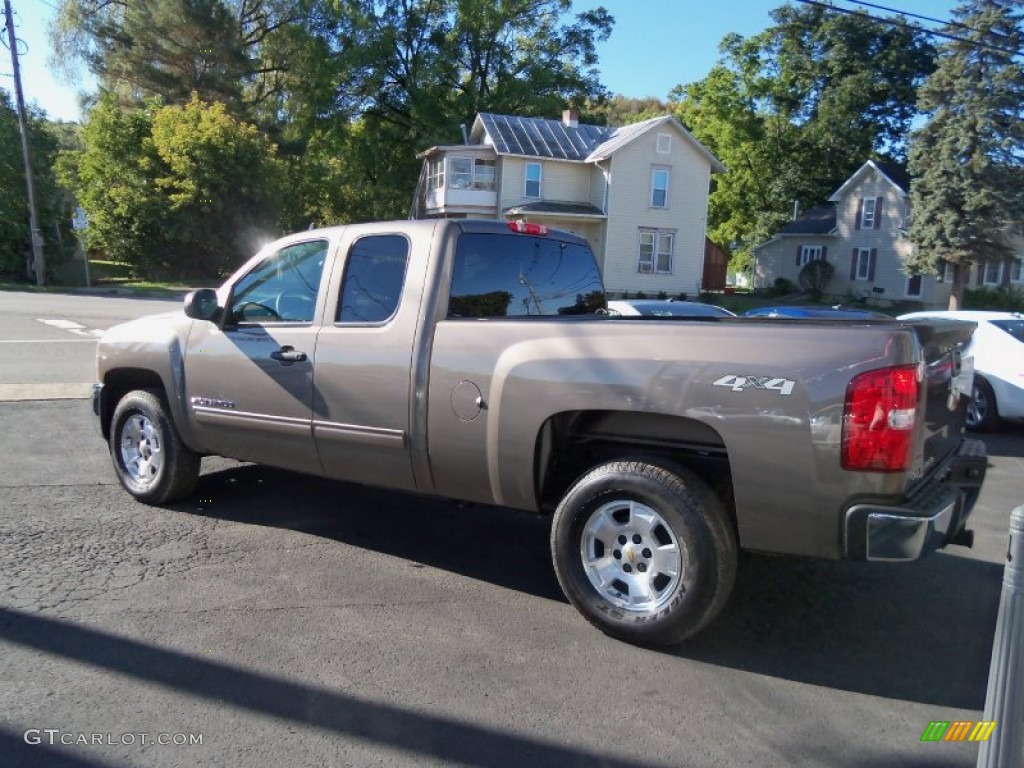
475 360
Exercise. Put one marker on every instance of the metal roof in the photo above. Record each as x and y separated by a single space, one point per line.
555 208
539 137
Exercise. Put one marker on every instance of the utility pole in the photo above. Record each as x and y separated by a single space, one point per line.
33 220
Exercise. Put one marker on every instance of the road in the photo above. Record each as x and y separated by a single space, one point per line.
287 620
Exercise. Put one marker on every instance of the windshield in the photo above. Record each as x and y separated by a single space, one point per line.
1013 327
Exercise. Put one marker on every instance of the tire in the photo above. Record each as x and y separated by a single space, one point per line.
627 588
982 412
149 457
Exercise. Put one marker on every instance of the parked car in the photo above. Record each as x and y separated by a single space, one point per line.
817 313
998 350
665 308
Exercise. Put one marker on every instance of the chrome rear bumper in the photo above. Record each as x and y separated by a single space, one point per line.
931 517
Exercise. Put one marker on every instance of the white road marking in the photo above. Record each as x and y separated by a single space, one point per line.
70 325
65 324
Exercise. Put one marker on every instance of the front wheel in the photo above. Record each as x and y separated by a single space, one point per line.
150 460
645 552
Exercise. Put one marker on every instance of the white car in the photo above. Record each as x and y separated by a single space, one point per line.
998 350
665 308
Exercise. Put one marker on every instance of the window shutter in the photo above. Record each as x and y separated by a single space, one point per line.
981 272
871 264
878 212
853 265
824 253
860 212
799 252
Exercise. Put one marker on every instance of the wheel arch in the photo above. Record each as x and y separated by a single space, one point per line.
120 381
572 442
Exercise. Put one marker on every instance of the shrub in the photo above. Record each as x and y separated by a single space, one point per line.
815 277
782 286
1007 298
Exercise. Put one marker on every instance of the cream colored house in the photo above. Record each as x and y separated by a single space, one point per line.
638 194
862 232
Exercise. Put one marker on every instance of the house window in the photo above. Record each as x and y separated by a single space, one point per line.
947 271
867 214
483 174
532 180
809 253
655 251
664 143
913 286
862 268
659 188
435 174
460 173
1015 271
993 272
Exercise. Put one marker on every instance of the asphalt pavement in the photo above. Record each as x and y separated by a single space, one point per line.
286 620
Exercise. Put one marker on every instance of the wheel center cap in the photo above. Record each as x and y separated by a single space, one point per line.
629 554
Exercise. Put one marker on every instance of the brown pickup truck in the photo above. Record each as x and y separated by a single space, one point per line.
476 360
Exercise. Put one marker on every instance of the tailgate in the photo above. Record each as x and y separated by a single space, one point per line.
948 379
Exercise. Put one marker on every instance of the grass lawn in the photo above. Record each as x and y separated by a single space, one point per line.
114 277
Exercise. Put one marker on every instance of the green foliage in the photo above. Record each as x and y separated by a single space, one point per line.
174 191
1005 298
815 276
783 286
349 90
966 160
794 110
52 205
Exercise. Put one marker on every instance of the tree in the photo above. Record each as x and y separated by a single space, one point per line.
51 205
794 110
967 161
186 190
365 83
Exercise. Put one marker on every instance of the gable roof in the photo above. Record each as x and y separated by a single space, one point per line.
553 139
892 172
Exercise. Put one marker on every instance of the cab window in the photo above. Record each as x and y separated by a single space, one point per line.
283 287
374 277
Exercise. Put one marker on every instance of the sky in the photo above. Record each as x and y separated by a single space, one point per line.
655 45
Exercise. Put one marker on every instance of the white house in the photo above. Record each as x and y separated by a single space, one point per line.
862 231
638 193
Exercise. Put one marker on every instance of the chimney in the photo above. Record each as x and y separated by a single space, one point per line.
571 118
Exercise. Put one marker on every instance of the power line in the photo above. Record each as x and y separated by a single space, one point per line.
944 22
907 24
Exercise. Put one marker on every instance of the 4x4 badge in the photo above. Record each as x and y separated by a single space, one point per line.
738 383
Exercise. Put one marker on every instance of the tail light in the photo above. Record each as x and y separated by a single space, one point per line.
525 228
878 419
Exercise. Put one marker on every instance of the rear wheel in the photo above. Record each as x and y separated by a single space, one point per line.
645 552
150 460
982 414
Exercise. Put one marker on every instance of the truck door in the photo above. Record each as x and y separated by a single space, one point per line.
364 358
249 384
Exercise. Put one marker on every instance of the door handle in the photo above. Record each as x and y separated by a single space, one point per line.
288 354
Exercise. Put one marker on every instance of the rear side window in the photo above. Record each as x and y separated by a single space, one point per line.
497 275
1013 327
374 276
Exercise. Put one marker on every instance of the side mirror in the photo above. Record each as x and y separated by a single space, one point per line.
202 304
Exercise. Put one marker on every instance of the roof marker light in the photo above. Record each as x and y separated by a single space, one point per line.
525 228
